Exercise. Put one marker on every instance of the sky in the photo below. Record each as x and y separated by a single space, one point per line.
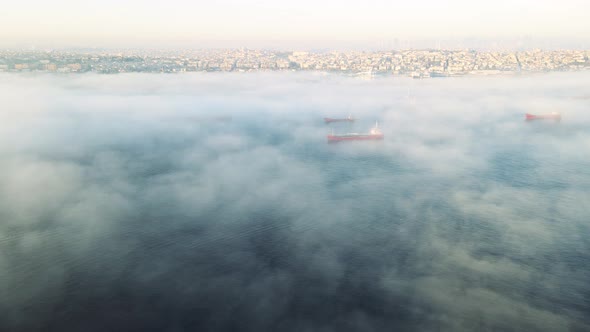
293 24
126 206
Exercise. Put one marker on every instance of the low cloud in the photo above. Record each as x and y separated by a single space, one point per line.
212 202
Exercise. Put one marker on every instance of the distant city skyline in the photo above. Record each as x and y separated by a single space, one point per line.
305 24
412 63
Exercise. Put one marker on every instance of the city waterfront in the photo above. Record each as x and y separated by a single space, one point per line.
414 63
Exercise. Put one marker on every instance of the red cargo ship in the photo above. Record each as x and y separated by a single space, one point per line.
347 119
552 116
374 134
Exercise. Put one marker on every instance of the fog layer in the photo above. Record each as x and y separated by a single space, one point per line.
212 202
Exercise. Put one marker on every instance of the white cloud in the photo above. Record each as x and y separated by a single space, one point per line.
131 182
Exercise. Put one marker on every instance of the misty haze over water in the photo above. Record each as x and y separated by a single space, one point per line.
212 202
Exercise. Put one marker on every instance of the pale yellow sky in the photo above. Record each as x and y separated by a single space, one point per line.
176 22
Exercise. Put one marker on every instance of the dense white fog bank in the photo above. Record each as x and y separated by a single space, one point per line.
213 202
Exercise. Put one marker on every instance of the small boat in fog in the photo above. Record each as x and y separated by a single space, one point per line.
374 134
347 119
551 116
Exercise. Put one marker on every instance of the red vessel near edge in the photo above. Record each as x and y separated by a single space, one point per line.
552 116
374 134
347 119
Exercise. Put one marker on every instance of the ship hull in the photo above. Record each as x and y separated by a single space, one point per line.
330 120
531 117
